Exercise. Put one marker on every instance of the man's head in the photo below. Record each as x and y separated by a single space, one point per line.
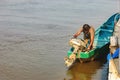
86 28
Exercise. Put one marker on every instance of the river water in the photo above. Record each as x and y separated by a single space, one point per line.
34 37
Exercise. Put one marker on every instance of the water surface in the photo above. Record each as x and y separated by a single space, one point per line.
34 37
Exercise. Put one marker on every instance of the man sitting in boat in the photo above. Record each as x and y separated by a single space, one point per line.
89 34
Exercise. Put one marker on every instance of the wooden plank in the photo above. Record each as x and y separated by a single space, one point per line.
113 72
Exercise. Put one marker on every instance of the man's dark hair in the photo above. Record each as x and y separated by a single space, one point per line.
86 27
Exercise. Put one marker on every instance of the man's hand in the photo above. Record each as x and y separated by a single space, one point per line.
75 36
89 47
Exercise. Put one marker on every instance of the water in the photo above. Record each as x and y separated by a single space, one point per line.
34 37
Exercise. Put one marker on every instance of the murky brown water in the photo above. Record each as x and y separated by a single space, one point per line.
88 71
34 37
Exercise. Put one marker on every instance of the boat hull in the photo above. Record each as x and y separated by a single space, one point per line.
101 41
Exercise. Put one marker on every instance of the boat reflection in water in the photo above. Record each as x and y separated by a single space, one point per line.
94 70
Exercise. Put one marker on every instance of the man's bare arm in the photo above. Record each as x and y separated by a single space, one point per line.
92 33
78 33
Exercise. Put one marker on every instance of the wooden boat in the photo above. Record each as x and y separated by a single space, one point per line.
113 70
101 41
